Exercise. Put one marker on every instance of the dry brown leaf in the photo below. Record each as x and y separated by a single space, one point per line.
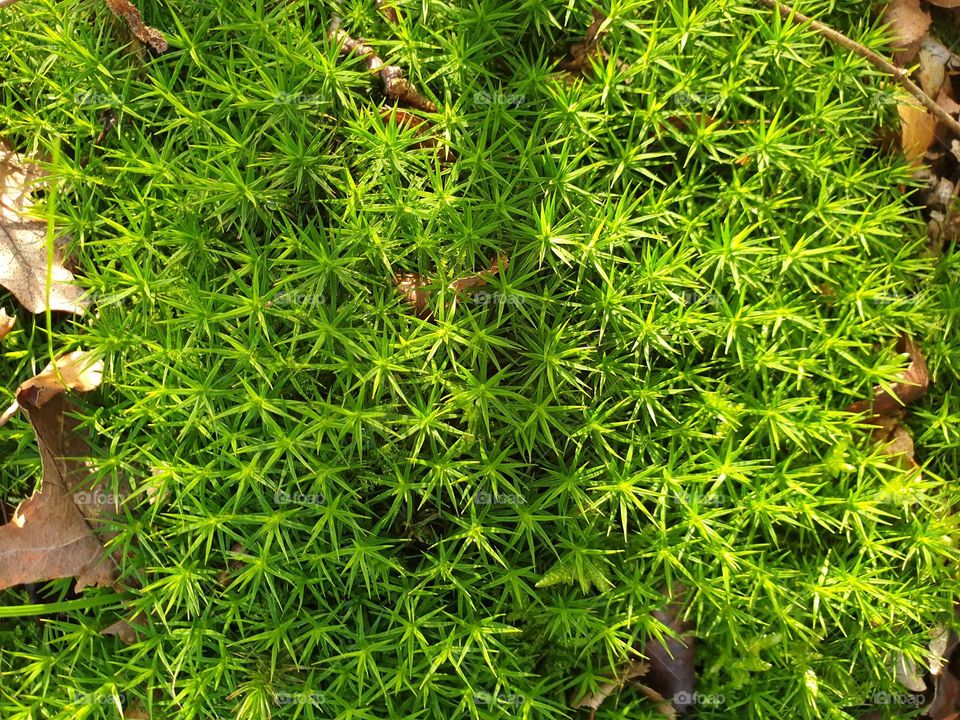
896 440
49 536
594 700
909 24
126 630
912 385
934 57
672 673
127 11
23 243
413 286
950 106
917 129
6 323
419 126
74 371
945 3
583 53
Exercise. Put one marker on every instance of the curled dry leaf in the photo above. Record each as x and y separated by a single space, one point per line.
127 11
395 85
23 246
50 536
945 3
668 674
934 57
909 24
413 286
895 439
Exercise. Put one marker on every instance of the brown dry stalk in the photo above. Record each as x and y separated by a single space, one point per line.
395 85
878 61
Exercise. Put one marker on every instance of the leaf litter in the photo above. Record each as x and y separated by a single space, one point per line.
51 534
23 243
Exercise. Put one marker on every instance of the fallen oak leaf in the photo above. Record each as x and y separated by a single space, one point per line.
395 85
895 439
127 11
23 246
49 536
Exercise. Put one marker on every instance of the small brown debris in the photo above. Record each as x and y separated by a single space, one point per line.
413 285
420 126
912 385
395 85
127 11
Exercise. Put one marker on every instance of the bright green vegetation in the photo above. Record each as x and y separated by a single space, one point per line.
652 394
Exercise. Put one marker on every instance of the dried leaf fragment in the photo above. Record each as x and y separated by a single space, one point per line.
6 323
594 700
23 246
582 53
126 630
73 371
49 536
909 24
420 126
917 130
913 384
413 286
127 11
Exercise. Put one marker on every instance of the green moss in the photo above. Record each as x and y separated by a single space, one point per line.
474 517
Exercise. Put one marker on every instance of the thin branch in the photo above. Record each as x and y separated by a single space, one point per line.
878 61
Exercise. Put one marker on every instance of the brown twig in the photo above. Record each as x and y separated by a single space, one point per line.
878 61
395 85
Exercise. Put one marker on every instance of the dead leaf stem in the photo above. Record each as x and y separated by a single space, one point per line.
878 61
